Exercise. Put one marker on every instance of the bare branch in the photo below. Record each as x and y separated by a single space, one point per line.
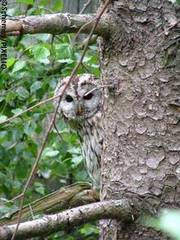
114 209
56 24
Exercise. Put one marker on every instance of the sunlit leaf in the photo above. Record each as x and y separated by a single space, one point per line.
17 110
3 118
22 93
170 223
19 65
10 62
49 152
25 1
41 54
35 86
39 187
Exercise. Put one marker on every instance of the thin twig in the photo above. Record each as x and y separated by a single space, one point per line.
85 6
28 109
59 134
80 30
98 87
33 170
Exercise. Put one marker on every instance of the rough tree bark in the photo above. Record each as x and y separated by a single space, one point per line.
141 158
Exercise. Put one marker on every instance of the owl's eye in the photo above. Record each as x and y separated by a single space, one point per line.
69 98
88 96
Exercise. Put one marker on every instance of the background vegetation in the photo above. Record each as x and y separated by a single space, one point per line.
35 65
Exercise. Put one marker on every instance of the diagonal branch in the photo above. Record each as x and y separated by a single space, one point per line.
114 209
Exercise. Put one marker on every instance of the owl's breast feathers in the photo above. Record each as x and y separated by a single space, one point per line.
91 137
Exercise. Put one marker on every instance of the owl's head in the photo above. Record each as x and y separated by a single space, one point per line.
82 98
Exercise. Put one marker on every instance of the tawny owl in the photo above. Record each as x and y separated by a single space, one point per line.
81 106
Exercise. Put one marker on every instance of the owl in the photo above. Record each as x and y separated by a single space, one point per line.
81 106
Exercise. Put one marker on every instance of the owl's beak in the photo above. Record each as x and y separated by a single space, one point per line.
79 109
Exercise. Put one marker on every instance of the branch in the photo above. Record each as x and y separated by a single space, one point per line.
114 209
56 24
66 197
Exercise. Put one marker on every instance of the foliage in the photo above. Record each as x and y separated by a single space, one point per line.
35 64
168 222
175 1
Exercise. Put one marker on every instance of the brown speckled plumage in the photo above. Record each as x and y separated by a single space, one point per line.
81 107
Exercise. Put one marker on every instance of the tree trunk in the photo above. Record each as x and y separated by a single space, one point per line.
141 158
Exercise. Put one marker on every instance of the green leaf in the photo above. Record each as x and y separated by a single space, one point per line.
170 223
39 187
57 5
49 152
3 137
35 86
17 110
25 1
10 62
88 229
22 167
41 54
29 128
22 93
19 65
10 96
87 59
44 2
67 60
6 206
76 160
63 51
2 98
43 36
3 118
